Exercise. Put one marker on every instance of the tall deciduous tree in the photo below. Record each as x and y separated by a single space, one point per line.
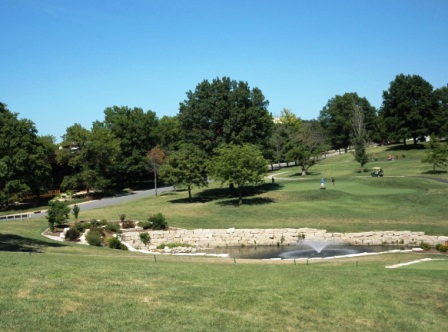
307 145
336 116
239 165
286 129
225 111
408 108
90 155
155 159
24 167
186 166
136 131
359 136
441 119
169 133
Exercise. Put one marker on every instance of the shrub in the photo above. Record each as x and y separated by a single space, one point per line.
103 222
57 213
79 226
76 211
145 238
94 222
145 224
442 248
94 238
113 227
172 245
128 224
115 243
122 216
425 245
158 222
72 234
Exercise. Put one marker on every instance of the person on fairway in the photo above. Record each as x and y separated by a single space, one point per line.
322 184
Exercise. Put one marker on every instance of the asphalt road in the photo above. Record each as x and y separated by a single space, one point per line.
100 203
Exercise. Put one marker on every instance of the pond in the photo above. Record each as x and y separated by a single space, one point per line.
303 250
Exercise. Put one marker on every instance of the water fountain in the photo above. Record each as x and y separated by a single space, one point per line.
305 249
320 249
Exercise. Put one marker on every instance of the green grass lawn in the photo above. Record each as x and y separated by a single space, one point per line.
407 198
53 286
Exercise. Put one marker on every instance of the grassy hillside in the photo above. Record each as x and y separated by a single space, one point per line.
53 286
407 198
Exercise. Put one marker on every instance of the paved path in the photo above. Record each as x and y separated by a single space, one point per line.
99 203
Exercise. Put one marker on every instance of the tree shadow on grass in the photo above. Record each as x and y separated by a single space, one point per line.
437 171
16 243
406 147
209 195
308 174
247 201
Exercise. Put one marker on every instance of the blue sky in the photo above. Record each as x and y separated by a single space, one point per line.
64 61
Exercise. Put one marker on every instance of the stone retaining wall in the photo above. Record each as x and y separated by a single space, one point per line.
211 238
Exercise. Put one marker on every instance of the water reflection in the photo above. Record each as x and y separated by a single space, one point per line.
298 251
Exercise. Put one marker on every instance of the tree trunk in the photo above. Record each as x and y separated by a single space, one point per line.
303 171
155 181
189 193
240 197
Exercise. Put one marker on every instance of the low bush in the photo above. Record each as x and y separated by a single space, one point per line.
425 245
94 222
103 222
115 243
72 234
94 238
158 222
145 224
442 248
122 216
128 224
172 245
79 226
113 227
145 238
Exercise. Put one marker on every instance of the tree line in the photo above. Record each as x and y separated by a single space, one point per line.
223 130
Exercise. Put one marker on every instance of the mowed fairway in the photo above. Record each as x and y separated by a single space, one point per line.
53 286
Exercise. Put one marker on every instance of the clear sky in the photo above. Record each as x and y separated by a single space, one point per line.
64 61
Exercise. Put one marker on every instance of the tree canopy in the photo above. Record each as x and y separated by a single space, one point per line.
24 166
90 155
336 116
238 165
137 134
186 167
225 111
408 108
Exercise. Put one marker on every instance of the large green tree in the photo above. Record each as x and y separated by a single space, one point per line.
90 155
186 167
238 165
441 118
169 133
286 129
24 166
408 108
225 111
307 145
136 131
336 116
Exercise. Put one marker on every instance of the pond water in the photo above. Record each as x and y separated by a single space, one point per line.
299 251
